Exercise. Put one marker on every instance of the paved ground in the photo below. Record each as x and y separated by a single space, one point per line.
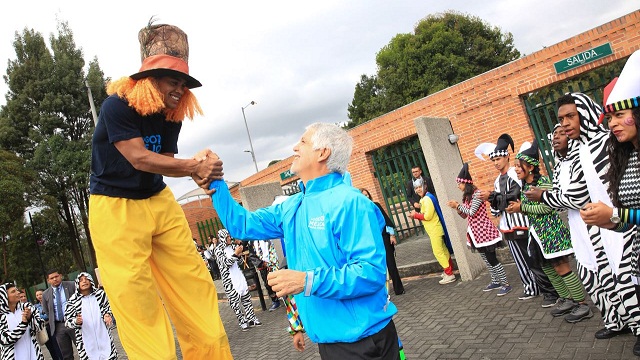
454 321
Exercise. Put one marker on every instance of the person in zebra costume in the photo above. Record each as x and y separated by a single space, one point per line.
622 111
89 314
19 324
235 286
482 235
551 243
603 257
514 227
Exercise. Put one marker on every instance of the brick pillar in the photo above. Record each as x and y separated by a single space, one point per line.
445 162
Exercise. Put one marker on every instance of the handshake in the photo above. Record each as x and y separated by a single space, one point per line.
208 168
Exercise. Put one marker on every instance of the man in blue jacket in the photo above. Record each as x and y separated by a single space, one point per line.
333 241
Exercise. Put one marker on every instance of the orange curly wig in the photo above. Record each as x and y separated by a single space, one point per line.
145 98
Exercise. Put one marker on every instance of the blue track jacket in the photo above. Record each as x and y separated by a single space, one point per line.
334 234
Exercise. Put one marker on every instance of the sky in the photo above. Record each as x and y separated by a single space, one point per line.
299 61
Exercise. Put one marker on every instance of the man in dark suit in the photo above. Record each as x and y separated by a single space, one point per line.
54 300
412 197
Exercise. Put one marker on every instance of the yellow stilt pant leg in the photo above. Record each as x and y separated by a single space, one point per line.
147 264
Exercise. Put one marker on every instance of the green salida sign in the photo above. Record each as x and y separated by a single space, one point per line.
582 58
285 175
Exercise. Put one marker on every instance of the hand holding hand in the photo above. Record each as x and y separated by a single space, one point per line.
287 282
513 207
208 169
202 154
484 195
412 214
534 193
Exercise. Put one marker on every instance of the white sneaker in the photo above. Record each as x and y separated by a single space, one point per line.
446 279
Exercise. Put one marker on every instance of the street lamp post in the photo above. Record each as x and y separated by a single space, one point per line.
253 154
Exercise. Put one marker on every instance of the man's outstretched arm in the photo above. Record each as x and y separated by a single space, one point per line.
242 224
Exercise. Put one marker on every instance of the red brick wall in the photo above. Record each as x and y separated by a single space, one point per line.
481 108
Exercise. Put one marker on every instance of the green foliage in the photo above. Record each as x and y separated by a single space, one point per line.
47 122
366 102
15 182
444 50
21 257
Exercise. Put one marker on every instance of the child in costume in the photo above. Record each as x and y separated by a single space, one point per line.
431 217
89 314
235 285
514 227
482 235
551 241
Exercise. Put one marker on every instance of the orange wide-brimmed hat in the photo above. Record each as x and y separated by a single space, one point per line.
164 51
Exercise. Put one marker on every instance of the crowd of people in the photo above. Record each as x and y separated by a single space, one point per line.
67 315
339 242
595 181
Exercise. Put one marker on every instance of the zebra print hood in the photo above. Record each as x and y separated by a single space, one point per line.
222 238
589 113
4 301
90 278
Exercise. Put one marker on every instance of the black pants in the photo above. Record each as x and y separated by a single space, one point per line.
398 288
492 258
66 339
380 346
533 257
52 345
264 273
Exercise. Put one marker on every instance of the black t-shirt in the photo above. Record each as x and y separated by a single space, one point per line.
111 173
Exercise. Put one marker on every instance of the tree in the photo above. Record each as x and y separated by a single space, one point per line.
48 123
15 182
444 50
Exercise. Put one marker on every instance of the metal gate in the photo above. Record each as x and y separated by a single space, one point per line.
392 167
541 105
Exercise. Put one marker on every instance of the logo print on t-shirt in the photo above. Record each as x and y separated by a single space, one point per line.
153 143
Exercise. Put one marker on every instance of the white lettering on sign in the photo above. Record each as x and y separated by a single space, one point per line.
581 58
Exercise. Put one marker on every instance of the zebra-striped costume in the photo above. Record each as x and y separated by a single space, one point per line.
74 307
507 188
8 338
612 291
226 261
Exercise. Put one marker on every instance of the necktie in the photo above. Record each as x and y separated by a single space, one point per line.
59 313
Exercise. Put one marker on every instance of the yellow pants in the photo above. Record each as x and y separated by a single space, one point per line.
148 264
440 251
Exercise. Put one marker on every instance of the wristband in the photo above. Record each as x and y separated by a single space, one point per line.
293 332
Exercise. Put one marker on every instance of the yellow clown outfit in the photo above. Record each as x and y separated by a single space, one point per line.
142 240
